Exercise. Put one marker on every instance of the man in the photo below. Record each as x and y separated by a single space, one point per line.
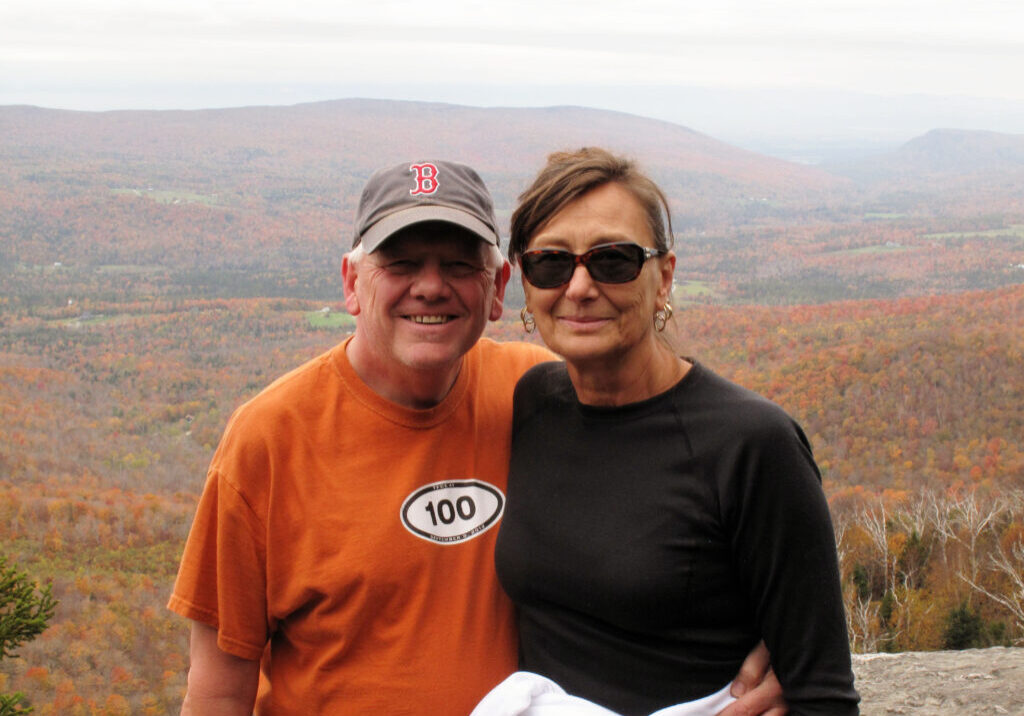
341 558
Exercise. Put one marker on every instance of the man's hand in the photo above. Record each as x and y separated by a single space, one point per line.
756 689
219 684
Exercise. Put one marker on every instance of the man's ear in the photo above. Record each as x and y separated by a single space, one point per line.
501 277
349 269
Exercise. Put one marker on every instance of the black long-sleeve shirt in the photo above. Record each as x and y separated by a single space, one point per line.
649 547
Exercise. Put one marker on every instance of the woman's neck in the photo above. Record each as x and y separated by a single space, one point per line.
642 373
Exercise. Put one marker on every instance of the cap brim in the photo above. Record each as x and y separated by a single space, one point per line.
377 234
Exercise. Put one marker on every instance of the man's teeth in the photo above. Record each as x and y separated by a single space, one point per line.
429 319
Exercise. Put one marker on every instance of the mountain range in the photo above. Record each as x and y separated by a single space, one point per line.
346 139
267 192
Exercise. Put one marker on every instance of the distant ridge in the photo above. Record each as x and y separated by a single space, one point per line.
946 152
257 188
957 150
354 136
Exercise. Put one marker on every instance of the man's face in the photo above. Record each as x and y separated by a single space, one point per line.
424 297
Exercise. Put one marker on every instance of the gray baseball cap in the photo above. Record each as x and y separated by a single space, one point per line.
409 193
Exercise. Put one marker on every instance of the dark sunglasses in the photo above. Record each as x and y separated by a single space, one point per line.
606 263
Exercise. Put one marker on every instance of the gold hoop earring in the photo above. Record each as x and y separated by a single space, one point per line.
662 316
529 324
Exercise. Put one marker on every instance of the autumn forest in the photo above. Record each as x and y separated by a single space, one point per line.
159 268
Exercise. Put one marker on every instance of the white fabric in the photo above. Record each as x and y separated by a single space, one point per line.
707 706
527 694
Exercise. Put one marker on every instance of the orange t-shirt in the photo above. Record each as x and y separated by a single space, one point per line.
348 542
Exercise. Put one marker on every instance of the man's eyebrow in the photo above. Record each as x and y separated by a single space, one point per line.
386 253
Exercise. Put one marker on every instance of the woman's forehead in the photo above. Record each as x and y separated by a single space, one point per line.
606 214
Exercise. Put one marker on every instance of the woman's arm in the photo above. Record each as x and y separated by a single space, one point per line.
785 552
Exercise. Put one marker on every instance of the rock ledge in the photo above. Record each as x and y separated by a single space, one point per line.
942 683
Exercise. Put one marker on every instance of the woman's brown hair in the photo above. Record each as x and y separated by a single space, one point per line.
569 175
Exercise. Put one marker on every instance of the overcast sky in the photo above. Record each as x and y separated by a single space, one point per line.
617 54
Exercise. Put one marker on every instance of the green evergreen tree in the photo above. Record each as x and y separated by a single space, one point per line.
25 609
862 582
964 629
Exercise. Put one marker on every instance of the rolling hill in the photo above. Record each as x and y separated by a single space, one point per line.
158 268
259 200
327 149
955 168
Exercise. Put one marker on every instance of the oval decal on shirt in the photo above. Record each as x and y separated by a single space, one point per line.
453 510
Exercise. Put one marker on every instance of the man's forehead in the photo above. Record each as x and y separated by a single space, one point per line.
432 237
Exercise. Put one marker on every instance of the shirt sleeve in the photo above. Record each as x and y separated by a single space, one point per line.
785 552
222 578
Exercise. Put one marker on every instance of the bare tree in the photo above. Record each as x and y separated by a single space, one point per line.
861 622
1010 564
917 514
875 522
967 522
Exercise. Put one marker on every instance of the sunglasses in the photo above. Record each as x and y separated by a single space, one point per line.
606 263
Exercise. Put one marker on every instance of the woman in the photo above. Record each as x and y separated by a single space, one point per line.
660 518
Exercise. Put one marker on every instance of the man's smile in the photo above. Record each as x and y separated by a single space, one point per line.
430 319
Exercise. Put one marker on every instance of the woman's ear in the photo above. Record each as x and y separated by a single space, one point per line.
667 269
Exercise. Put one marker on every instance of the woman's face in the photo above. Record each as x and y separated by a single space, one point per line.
586 321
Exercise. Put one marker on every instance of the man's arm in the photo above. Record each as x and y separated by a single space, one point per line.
219 684
756 689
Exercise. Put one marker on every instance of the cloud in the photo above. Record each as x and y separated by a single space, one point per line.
885 47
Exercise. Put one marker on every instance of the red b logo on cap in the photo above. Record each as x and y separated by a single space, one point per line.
426 179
